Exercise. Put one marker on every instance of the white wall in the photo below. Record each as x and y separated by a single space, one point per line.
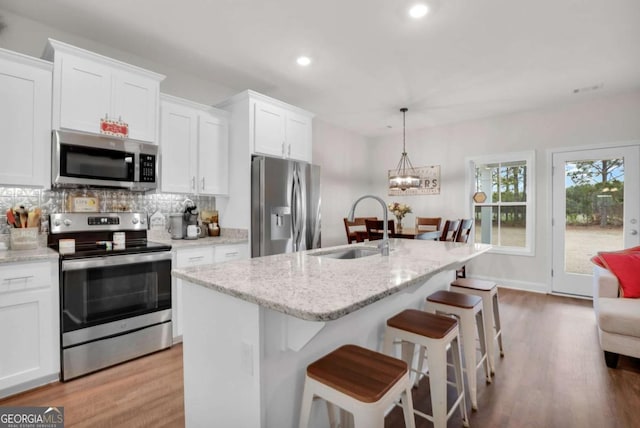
602 121
343 157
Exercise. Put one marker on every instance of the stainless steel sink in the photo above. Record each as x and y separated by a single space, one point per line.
349 253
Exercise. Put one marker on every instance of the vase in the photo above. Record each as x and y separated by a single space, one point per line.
399 224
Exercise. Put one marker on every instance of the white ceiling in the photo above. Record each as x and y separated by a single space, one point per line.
467 59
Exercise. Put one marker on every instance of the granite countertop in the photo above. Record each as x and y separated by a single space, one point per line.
321 288
200 242
228 237
41 253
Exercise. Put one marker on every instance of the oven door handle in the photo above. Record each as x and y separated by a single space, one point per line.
105 261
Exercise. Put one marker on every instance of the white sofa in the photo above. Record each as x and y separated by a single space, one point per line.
618 318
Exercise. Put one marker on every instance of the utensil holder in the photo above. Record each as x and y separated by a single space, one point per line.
24 238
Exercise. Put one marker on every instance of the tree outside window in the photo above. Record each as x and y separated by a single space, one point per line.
504 218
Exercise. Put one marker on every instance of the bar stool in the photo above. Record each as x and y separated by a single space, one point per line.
435 333
488 291
358 380
468 309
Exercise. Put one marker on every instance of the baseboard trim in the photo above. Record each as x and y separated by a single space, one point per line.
534 287
35 383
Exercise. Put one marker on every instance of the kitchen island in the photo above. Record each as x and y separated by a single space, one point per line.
252 326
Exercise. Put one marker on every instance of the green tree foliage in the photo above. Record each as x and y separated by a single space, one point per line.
597 196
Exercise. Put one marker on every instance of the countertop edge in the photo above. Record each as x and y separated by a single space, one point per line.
315 316
18 256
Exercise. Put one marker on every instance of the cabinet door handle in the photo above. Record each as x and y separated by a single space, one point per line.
231 254
283 149
193 183
202 183
289 151
193 259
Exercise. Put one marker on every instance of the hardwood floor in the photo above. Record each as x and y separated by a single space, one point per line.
146 392
553 375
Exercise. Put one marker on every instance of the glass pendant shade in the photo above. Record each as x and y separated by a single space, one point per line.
405 176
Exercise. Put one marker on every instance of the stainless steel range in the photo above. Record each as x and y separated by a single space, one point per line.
115 300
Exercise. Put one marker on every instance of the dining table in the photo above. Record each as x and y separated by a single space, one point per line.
406 233
410 233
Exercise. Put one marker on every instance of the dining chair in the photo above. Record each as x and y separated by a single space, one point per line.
426 224
375 228
449 230
356 230
464 230
462 235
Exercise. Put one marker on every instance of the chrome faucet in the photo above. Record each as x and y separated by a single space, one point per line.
384 245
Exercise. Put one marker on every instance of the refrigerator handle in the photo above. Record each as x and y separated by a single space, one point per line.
296 208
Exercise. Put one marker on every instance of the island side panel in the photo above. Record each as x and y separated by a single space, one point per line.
221 356
282 368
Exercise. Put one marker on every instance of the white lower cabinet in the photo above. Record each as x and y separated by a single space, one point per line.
29 325
198 256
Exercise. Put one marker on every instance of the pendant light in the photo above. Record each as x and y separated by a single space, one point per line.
405 176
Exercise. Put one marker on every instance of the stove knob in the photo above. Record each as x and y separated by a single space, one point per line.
134 220
143 220
57 222
67 222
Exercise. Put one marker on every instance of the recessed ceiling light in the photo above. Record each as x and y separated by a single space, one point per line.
418 11
303 60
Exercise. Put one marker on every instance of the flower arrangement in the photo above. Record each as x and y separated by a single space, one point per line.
399 210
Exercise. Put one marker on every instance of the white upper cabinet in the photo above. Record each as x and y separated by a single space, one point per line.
178 146
88 87
281 130
213 153
269 130
298 136
194 147
275 128
25 120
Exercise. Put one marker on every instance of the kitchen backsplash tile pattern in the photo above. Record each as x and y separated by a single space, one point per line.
54 201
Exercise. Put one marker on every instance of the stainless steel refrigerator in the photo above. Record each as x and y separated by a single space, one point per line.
285 206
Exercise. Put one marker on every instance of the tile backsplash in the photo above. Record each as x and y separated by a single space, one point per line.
55 201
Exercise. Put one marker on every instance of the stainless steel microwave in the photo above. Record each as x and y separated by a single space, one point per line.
88 160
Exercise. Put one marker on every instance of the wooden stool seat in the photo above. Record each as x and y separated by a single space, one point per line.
358 372
359 381
475 284
459 300
422 323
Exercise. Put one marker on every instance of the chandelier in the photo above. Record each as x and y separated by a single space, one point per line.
405 176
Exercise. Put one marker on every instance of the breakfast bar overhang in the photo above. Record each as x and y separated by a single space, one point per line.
252 326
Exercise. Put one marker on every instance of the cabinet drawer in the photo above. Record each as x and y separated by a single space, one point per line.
224 253
194 257
25 276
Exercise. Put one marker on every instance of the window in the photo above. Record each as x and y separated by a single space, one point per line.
503 206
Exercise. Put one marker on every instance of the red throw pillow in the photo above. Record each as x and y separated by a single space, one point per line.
597 260
626 266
